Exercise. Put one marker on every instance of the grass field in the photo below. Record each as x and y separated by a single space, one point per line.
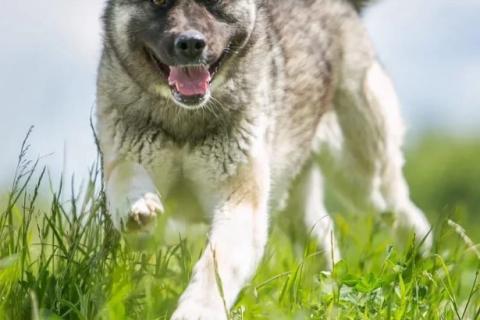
61 259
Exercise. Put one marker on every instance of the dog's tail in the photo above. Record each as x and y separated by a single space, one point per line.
360 4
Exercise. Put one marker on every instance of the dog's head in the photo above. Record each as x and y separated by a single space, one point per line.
178 48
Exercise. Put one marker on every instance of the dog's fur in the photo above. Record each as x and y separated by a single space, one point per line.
297 79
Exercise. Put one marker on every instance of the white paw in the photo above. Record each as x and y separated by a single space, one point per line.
196 311
142 215
415 221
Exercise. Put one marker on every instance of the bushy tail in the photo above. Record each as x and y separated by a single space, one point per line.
360 4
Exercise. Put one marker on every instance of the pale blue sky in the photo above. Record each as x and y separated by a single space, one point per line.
50 49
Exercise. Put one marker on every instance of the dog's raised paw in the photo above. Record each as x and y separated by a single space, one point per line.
143 214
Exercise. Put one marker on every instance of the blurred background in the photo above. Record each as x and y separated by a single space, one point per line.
431 48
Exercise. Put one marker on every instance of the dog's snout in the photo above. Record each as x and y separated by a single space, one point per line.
190 45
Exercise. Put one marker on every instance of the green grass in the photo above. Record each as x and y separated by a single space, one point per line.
61 259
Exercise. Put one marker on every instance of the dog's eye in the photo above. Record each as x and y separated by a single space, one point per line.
160 3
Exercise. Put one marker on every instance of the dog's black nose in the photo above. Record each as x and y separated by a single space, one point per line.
190 45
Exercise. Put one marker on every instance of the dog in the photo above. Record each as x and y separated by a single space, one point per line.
232 99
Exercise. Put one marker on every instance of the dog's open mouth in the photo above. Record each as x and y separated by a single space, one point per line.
189 84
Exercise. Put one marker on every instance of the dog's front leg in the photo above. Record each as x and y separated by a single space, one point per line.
132 198
235 247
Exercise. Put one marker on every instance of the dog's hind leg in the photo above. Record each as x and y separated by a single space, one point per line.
317 220
382 100
360 143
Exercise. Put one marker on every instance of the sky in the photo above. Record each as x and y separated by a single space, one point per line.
50 50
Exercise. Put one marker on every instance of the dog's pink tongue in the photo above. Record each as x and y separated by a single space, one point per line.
190 81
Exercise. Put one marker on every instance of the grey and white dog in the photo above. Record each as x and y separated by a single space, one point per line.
233 99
